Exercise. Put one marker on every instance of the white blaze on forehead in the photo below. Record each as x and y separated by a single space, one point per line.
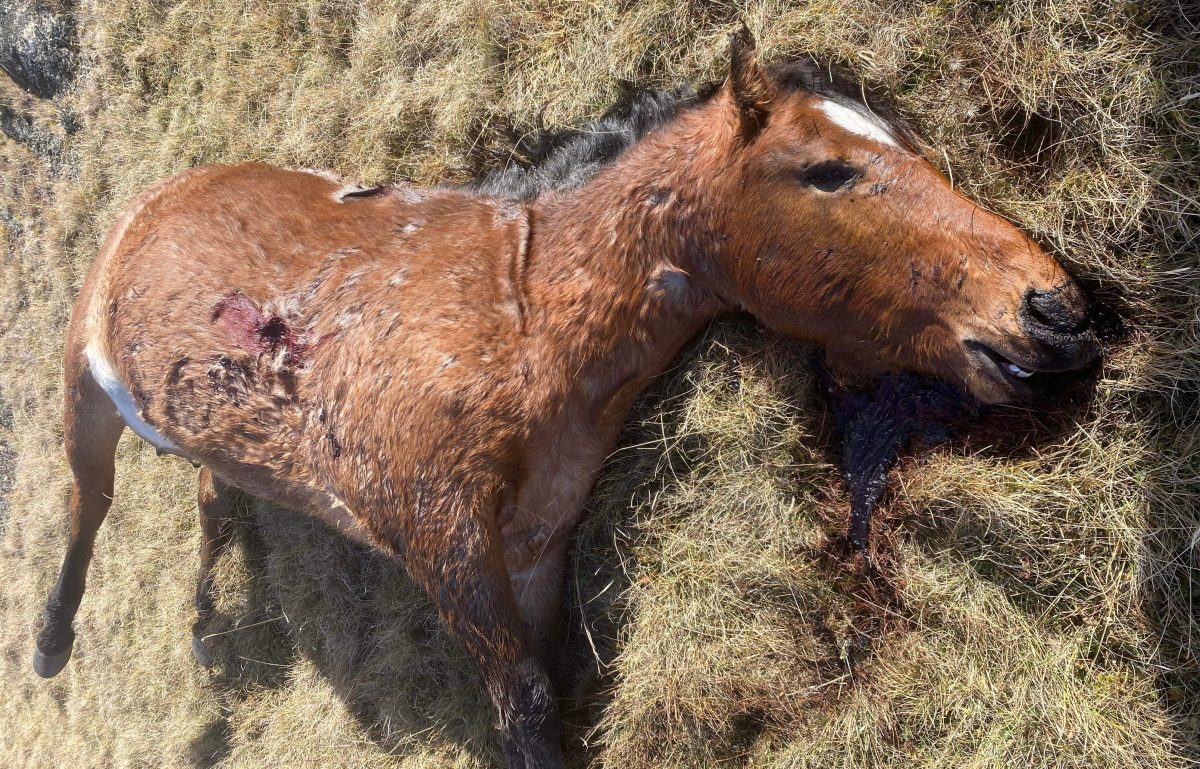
854 121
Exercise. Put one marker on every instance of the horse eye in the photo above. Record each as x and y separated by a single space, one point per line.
830 176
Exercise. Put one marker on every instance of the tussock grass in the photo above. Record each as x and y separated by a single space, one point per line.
1039 607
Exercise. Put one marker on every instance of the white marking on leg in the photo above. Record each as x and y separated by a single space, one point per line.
857 121
118 393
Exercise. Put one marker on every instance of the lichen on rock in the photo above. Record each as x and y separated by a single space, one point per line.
38 47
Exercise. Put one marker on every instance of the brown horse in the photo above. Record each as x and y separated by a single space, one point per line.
440 373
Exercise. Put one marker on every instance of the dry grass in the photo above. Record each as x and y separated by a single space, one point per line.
1042 610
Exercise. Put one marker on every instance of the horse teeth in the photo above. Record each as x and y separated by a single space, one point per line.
1019 372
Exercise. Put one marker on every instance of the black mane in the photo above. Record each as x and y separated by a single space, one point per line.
565 159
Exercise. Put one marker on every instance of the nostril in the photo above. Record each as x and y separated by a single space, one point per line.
1062 309
1044 313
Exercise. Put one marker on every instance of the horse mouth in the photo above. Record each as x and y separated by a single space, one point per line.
1016 377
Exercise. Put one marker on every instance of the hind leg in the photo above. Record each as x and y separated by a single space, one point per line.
215 501
91 428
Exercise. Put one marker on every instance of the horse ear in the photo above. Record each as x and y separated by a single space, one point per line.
748 83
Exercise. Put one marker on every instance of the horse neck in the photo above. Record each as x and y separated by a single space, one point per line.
615 276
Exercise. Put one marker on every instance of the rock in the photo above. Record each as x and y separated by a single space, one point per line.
38 48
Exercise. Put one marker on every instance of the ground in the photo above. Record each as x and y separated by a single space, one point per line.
1037 605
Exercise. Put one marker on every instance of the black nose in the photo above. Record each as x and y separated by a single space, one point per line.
1062 310
1057 319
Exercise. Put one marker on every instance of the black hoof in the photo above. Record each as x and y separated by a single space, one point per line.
50 665
200 652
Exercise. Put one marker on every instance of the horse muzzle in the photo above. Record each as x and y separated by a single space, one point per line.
1056 337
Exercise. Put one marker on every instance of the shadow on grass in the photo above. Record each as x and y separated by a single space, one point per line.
373 638
251 650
